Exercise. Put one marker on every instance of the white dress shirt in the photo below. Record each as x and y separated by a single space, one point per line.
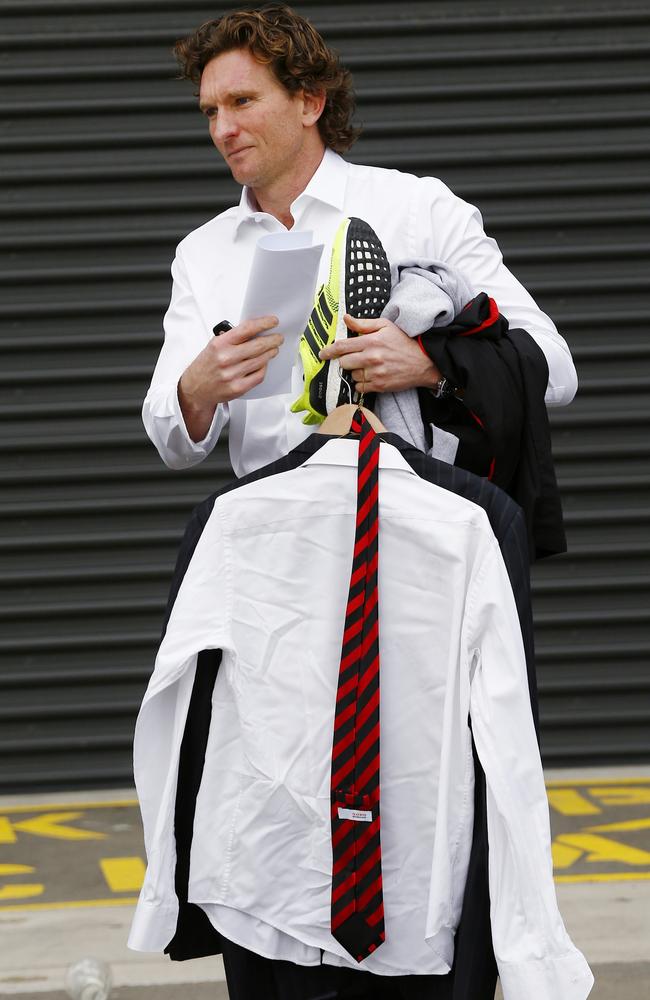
268 585
414 217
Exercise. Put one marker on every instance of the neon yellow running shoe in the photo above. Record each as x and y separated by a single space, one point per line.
359 284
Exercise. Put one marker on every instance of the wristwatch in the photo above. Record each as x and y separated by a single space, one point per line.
442 388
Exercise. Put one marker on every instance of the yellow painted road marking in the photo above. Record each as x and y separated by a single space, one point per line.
597 782
7 833
587 845
19 891
116 804
564 855
123 874
624 824
612 796
570 802
569 848
52 825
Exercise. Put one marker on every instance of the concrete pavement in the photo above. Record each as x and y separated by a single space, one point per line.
70 866
610 922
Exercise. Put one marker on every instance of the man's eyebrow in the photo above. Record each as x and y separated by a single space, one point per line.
231 95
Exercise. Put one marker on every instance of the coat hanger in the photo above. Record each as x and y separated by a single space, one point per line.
339 420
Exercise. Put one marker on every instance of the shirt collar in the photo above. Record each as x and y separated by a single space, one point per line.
345 451
327 186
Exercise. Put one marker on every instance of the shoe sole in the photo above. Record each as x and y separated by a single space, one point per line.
364 291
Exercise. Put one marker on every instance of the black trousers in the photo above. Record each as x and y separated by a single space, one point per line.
251 977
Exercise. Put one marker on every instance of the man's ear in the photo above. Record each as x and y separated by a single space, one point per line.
313 105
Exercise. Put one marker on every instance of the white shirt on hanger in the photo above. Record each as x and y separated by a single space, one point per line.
268 585
414 217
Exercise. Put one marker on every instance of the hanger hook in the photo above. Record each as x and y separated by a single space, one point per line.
346 383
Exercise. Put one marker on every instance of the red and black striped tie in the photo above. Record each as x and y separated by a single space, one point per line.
357 897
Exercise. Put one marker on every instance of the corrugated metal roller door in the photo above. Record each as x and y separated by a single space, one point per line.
539 118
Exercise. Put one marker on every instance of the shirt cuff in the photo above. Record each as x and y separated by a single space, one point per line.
164 423
206 444
567 976
556 396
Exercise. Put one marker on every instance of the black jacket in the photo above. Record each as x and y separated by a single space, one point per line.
500 417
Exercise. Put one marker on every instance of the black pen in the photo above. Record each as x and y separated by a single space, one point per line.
221 327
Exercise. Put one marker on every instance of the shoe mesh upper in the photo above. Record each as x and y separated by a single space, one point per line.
359 284
367 272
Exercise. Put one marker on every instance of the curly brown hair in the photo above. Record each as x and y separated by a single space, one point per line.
296 54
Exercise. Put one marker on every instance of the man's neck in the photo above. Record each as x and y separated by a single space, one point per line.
278 199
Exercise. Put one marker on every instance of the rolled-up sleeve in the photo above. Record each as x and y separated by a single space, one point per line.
451 230
185 336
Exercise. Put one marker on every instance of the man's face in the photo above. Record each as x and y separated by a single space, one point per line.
255 123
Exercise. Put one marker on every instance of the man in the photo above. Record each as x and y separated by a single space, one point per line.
279 108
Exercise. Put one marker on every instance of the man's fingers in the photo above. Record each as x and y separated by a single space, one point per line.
363 325
352 345
252 366
256 348
250 328
340 348
350 362
247 382
241 385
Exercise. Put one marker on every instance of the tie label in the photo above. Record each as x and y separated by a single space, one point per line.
357 815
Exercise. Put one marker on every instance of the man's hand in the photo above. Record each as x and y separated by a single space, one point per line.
385 359
226 368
